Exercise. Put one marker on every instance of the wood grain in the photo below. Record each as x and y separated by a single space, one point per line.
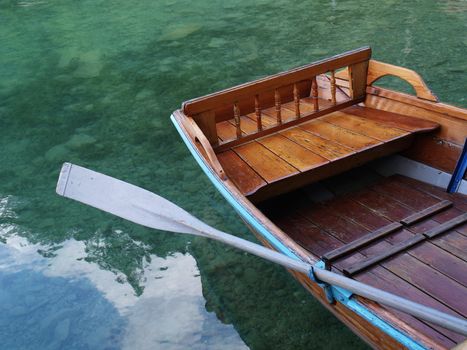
265 99
207 123
336 134
358 77
452 129
247 125
435 152
377 70
428 252
395 120
294 154
272 129
226 131
307 104
286 115
441 108
323 147
352 160
365 126
317 240
264 162
245 178
406 266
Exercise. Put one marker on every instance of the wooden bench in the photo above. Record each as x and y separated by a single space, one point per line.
317 149
284 131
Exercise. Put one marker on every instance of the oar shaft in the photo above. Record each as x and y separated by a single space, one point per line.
453 323
426 313
258 250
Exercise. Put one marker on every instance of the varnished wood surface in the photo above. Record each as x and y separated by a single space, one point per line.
343 136
293 153
349 137
274 91
182 122
451 130
365 126
360 326
441 149
249 181
438 107
266 163
357 79
435 152
287 122
427 272
226 130
394 120
324 147
377 70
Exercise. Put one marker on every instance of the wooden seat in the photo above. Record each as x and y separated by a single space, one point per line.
315 149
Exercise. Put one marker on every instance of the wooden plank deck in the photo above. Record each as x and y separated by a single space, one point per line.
431 272
350 136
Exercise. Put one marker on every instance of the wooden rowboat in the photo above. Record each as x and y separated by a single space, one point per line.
326 168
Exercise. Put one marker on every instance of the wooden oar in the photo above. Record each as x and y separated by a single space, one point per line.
148 209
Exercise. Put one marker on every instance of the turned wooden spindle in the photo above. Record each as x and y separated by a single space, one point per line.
296 98
333 88
277 99
237 120
314 94
258 114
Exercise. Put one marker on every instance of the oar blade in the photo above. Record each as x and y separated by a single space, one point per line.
126 201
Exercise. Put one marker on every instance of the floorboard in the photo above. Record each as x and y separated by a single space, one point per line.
426 273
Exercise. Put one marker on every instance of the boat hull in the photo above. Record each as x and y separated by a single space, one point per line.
273 136
377 332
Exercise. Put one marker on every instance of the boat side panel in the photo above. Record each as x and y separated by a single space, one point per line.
441 149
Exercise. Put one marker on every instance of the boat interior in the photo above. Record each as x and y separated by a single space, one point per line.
392 232
349 176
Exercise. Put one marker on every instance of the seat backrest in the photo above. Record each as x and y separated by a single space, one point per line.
279 88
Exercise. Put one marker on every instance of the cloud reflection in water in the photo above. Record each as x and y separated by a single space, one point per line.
65 301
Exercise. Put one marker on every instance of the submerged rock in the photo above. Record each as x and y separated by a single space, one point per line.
78 141
319 52
180 32
89 64
144 94
217 42
57 153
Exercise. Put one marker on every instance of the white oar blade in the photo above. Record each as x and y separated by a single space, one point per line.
126 201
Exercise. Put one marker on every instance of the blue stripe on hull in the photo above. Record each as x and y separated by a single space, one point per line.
342 295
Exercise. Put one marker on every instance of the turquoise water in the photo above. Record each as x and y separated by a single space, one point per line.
94 83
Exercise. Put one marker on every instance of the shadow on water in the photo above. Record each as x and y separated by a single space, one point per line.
94 83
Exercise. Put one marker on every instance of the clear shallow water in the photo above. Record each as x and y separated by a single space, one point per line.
94 82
